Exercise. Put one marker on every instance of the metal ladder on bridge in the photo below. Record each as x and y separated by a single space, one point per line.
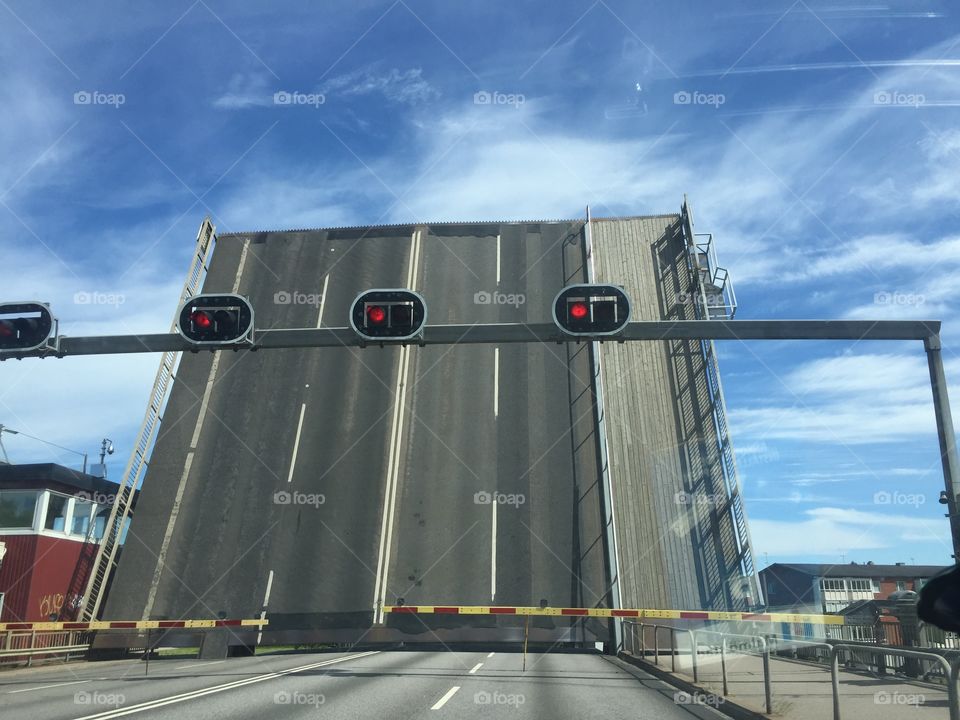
716 299
105 560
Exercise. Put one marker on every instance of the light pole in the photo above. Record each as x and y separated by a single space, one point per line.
6 458
5 429
106 448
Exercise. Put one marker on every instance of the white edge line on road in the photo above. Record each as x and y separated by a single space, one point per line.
498 259
496 382
384 520
153 704
475 668
266 595
323 299
199 665
443 701
493 552
45 687
393 461
296 443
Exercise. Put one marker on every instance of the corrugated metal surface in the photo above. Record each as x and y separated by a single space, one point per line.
392 227
675 535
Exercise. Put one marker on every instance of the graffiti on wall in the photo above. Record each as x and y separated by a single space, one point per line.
53 603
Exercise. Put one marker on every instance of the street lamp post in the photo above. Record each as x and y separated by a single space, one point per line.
106 448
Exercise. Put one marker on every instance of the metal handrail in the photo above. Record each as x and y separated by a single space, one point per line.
764 654
950 672
951 669
27 644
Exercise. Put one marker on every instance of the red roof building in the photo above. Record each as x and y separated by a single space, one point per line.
51 521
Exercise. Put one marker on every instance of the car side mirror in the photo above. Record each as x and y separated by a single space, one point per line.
939 602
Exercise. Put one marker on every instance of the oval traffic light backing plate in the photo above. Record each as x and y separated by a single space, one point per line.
385 314
591 310
32 319
213 303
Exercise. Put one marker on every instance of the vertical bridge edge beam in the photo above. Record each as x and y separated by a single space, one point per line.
606 479
946 437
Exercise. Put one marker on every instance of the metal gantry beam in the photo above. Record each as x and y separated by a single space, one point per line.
463 334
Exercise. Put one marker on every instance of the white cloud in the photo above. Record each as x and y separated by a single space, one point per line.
878 254
269 199
489 162
76 401
834 532
850 399
836 422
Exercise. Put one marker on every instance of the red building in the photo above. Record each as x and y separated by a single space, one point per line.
51 521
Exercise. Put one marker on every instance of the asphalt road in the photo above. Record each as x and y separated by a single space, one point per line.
316 483
412 684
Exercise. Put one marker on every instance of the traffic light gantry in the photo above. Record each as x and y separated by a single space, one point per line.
581 313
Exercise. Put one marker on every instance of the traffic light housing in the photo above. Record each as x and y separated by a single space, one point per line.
591 310
215 319
24 326
388 314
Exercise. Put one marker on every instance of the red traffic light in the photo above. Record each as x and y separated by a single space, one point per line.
579 310
388 314
215 319
591 310
201 319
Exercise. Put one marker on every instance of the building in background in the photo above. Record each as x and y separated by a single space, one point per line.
829 588
51 520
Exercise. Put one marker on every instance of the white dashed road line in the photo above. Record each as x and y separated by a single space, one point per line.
443 701
296 442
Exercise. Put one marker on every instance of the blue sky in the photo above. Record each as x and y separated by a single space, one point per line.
818 142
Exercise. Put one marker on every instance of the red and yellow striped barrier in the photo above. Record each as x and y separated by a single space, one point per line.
132 624
608 612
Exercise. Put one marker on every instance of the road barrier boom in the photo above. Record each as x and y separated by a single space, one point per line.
612 613
133 624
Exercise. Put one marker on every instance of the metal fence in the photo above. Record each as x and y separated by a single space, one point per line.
22 646
648 640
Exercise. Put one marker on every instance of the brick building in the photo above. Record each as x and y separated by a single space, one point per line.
828 588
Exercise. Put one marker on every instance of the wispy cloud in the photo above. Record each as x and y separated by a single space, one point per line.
406 87
851 399
245 91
